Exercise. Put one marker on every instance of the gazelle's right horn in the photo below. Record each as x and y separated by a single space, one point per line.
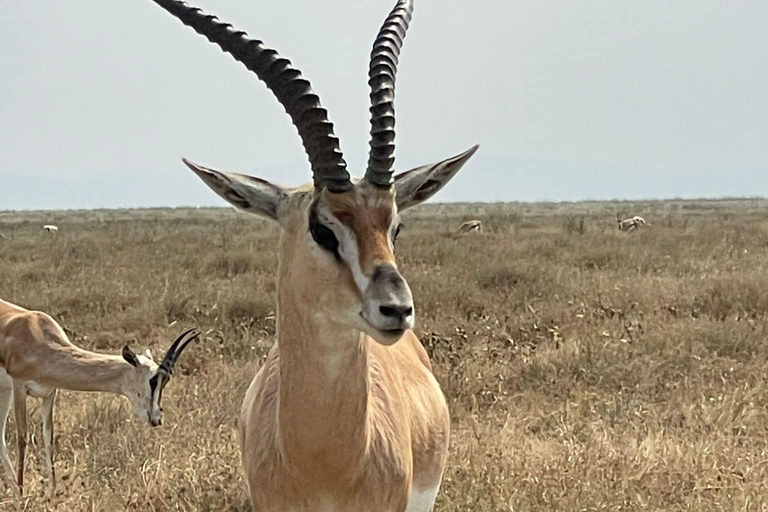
292 90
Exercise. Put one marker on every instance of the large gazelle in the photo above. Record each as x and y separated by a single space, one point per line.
345 414
37 359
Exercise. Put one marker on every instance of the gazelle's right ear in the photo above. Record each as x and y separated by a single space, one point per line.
251 194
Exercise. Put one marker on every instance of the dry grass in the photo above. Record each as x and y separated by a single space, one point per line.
586 369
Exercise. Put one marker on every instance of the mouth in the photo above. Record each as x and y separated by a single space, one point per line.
389 335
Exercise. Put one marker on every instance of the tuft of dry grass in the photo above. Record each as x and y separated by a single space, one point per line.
585 369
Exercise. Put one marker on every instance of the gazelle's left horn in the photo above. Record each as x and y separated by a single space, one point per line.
169 361
381 78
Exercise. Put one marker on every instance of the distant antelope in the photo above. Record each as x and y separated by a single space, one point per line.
344 414
50 228
37 359
631 223
471 226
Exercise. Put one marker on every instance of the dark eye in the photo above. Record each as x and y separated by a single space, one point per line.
323 235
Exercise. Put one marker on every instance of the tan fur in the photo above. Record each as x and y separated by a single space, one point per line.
369 224
33 347
334 420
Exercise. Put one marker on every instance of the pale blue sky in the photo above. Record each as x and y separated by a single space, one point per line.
569 100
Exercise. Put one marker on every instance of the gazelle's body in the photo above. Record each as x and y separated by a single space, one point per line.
358 437
333 417
49 228
345 415
631 223
471 226
37 358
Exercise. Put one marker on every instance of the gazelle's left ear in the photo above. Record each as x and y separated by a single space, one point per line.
130 357
421 183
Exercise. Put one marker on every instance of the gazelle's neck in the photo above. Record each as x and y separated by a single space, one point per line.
324 377
81 370
323 401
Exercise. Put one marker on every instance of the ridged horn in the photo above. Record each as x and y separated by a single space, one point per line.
381 79
169 361
292 90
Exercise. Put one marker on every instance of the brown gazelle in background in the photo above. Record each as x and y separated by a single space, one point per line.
345 414
629 223
37 359
471 226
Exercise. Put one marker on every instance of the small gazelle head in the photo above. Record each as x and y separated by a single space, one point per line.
144 385
339 234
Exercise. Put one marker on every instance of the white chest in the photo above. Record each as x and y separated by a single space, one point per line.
422 501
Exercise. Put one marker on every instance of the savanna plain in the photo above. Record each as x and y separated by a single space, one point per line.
586 369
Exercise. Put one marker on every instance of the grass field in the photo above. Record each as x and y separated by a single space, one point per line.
586 369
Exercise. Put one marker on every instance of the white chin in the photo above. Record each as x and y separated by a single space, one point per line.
384 337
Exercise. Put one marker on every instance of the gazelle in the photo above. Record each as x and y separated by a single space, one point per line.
471 226
50 228
631 223
345 414
37 359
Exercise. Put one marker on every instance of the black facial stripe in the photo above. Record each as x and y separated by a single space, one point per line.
323 235
156 384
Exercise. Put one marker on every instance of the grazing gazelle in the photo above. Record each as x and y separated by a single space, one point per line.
471 226
345 414
37 359
50 228
631 223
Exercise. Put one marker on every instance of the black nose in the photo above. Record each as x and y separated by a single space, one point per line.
399 313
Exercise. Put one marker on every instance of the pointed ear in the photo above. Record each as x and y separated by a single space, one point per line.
130 356
251 194
421 183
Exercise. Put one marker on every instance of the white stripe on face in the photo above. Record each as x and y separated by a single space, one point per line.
348 248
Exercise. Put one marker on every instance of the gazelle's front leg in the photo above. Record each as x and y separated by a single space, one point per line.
20 414
6 395
47 414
